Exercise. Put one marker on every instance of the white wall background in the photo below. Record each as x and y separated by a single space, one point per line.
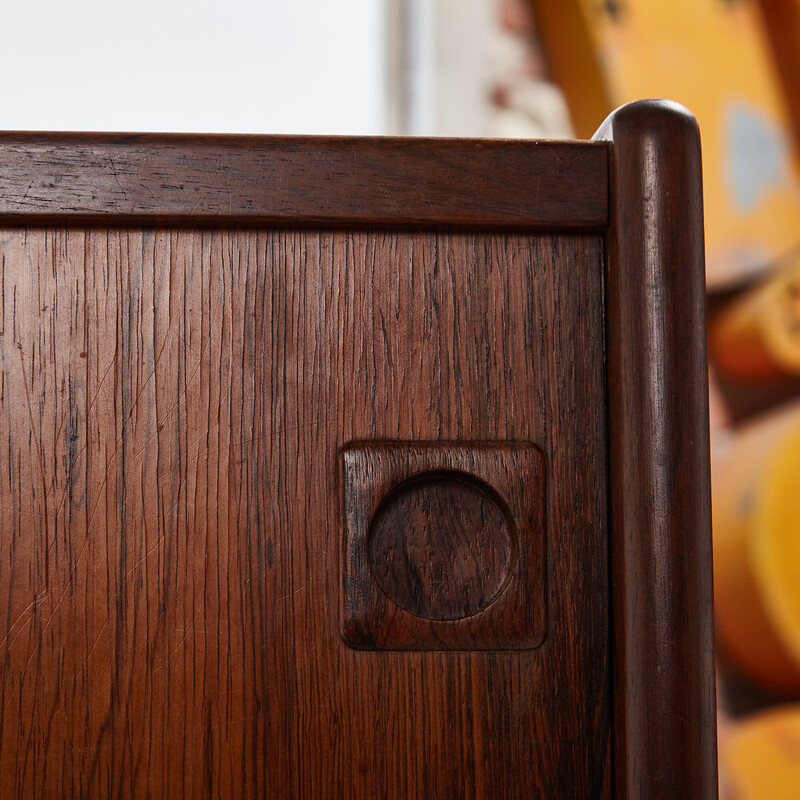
247 66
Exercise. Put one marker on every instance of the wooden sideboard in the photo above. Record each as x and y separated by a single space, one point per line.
354 468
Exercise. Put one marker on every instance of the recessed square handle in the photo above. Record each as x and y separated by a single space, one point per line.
443 546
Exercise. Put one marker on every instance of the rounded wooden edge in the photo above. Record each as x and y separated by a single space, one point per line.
662 593
656 117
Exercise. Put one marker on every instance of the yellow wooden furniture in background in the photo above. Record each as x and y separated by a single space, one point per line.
713 57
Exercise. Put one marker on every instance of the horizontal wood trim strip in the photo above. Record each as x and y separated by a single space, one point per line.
303 180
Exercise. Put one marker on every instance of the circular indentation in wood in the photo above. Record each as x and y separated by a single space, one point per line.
442 545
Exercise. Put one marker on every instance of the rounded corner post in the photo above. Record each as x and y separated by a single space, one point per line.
657 117
662 594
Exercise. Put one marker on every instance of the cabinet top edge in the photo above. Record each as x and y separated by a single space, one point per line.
327 180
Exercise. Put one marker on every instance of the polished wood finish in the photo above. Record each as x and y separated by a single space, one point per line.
149 178
444 546
177 405
172 407
659 457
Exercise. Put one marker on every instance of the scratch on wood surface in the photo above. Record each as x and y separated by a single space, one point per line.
186 499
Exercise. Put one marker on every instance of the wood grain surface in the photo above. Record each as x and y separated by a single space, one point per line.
171 407
665 709
444 545
302 180
441 547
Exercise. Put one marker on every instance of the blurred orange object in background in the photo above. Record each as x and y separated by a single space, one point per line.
713 57
755 544
757 336
760 756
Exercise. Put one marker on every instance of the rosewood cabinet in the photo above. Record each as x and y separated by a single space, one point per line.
355 468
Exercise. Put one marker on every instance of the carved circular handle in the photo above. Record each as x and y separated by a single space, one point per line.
442 545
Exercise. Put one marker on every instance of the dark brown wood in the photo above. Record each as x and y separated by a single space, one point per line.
172 405
302 180
659 457
443 546
178 405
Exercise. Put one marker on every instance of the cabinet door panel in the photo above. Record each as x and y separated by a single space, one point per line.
173 405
